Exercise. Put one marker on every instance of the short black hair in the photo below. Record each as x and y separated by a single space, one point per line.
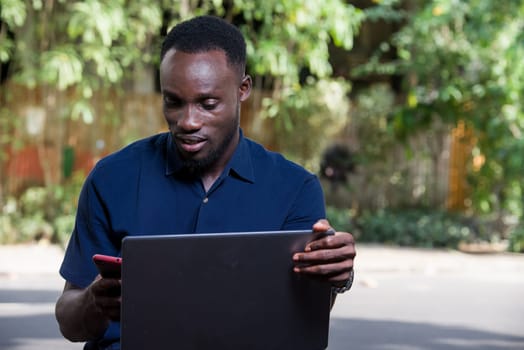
207 33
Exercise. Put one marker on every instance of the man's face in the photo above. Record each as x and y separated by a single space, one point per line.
201 103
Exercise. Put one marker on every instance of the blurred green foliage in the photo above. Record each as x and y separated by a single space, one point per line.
416 227
419 227
516 240
41 213
309 122
86 44
462 61
62 44
93 46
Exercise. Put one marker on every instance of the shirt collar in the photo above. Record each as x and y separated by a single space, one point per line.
240 165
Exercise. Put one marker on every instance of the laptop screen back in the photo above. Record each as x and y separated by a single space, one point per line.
221 291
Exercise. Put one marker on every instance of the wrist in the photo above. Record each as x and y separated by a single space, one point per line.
346 286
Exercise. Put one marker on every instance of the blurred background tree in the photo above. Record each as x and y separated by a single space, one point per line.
460 63
71 64
410 111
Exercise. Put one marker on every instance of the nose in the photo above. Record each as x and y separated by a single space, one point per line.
190 118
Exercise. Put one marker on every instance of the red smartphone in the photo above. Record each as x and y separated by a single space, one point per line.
108 266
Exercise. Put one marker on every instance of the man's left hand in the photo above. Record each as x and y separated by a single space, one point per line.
330 257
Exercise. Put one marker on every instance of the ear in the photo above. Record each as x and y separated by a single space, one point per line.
245 88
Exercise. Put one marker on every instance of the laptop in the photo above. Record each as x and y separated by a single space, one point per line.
221 291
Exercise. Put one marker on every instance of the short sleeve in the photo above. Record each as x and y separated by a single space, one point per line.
91 235
308 206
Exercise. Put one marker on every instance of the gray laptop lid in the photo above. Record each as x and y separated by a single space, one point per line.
221 291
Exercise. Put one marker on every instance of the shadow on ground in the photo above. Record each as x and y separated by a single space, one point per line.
28 296
360 334
27 322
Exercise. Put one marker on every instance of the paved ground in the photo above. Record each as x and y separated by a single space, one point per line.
418 299
403 299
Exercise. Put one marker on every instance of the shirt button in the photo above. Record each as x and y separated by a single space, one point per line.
206 200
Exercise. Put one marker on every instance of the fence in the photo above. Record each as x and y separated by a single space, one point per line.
45 147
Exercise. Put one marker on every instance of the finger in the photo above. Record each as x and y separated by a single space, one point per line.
321 225
339 239
331 243
110 307
112 313
106 287
108 302
335 272
325 255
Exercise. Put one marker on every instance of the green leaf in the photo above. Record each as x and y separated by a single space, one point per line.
61 67
6 49
82 110
13 12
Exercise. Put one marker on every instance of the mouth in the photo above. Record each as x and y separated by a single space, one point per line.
190 143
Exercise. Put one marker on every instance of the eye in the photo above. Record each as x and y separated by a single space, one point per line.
209 104
171 101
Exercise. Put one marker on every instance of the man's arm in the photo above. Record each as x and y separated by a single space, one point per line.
84 314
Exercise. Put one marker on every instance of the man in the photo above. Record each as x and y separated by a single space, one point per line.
201 176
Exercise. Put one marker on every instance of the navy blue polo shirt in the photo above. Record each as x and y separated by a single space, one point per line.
139 190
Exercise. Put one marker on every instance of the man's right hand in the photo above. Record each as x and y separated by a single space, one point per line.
85 313
105 293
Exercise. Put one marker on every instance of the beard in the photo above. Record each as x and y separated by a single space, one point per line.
197 167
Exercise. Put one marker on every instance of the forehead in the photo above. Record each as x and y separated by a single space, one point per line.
195 67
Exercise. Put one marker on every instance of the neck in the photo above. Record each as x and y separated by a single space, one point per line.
209 177
208 181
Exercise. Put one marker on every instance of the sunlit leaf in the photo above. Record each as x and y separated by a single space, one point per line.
13 12
62 67
82 110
